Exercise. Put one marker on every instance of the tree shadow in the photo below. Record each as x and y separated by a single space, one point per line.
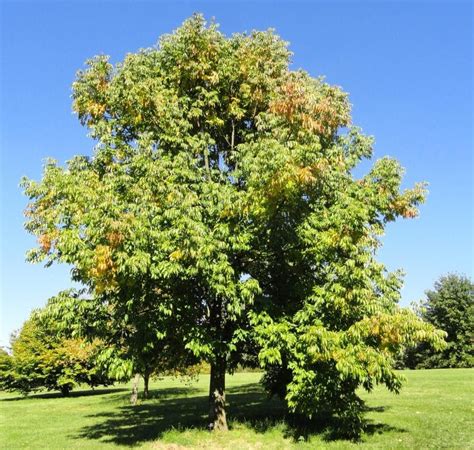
148 420
181 408
72 394
331 428
258 416
157 394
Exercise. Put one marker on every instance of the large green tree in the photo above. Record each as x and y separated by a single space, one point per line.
221 194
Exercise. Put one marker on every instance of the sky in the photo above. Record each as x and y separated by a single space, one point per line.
407 67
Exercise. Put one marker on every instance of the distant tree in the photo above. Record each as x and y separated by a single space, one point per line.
5 364
220 208
41 359
449 307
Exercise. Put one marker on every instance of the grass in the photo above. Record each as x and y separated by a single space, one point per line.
434 410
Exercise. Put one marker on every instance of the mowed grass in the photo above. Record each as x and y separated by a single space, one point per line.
434 410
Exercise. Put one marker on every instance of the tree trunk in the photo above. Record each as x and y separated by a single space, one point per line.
134 396
146 379
65 390
217 416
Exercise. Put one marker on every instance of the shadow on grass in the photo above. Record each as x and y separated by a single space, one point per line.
149 420
159 394
72 394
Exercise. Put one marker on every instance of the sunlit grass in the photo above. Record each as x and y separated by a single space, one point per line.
434 410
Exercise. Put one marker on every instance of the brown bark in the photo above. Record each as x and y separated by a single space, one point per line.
146 379
134 396
217 415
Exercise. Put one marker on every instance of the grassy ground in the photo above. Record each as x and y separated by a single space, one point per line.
434 410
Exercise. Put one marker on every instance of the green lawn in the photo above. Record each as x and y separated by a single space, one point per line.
434 410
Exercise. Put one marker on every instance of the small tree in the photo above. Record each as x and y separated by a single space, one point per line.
449 307
221 194
43 360
131 342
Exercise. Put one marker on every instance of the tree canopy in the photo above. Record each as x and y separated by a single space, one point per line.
220 205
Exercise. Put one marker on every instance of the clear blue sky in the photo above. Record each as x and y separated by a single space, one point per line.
406 65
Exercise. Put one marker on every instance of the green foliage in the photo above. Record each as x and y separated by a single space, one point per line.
220 209
449 307
130 344
41 359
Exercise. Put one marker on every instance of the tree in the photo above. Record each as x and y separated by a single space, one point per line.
131 343
41 359
221 195
449 307
5 363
